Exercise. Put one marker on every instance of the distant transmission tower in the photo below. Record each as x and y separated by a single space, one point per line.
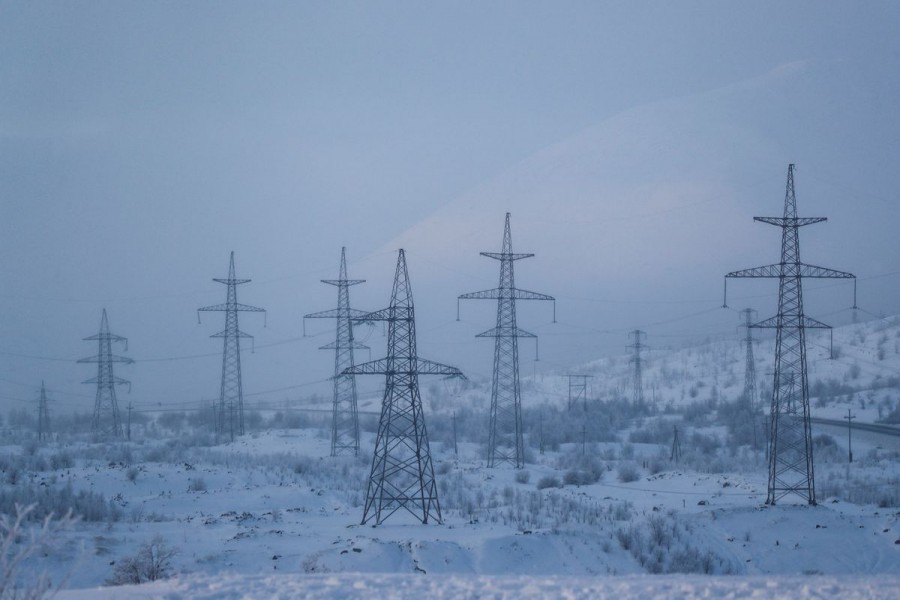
637 386
578 390
505 443
790 454
106 422
402 473
345 419
43 419
675 455
230 414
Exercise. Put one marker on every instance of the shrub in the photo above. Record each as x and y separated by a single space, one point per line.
197 485
628 472
16 548
547 482
153 561
522 476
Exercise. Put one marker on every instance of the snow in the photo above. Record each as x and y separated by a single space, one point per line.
272 516
358 585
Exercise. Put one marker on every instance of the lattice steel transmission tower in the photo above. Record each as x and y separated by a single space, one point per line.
637 385
106 422
578 390
43 419
505 442
402 475
791 468
345 418
230 412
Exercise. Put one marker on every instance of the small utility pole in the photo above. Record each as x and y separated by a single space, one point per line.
128 426
541 430
455 448
583 438
849 418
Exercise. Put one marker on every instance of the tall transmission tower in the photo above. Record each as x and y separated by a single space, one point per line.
578 390
402 473
345 419
106 422
505 443
749 364
791 468
637 385
43 419
230 414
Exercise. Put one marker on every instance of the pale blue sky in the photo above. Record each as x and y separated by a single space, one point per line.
141 142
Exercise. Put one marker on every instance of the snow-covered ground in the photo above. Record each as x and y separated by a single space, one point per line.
273 516
356 585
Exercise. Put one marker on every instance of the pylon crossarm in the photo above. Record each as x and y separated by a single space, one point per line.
344 346
506 332
790 221
520 294
492 294
789 321
336 313
823 273
106 336
428 367
373 367
231 281
235 306
391 313
764 271
343 281
506 255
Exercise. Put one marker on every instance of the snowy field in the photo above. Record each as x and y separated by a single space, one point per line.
604 511
484 587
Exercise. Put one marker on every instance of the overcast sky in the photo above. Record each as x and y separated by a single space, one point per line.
142 142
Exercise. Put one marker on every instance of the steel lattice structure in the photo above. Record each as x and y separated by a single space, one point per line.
43 420
505 443
637 385
230 412
402 475
345 418
791 469
106 422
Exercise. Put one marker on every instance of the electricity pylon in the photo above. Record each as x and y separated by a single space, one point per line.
505 443
43 420
578 390
791 469
402 473
230 414
637 385
344 419
106 422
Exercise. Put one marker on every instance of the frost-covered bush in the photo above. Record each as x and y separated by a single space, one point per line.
522 476
45 501
548 481
628 472
18 543
153 561
825 449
